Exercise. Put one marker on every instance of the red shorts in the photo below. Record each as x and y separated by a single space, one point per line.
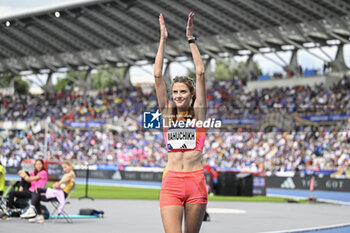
179 188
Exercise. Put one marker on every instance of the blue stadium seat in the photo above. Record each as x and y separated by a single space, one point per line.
264 77
309 73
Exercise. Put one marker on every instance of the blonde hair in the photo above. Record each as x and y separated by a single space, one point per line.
67 163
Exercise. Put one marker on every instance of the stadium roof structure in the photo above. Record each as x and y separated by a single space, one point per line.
121 33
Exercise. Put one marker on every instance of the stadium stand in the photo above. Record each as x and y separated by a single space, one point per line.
228 98
325 148
105 128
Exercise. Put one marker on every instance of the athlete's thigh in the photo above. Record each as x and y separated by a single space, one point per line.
194 215
172 218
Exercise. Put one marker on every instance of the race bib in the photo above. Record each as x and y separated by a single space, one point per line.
181 138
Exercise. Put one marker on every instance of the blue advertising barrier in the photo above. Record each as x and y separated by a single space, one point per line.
323 118
313 118
82 124
229 121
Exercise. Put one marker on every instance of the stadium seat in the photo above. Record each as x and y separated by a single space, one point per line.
309 73
264 77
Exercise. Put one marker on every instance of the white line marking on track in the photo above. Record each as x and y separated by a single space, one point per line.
306 198
311 228
225 211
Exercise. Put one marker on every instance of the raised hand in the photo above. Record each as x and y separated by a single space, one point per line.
163 31
189 28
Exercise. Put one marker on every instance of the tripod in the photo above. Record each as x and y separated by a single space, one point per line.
87 185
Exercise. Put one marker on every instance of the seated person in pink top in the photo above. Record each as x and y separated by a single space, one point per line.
34 179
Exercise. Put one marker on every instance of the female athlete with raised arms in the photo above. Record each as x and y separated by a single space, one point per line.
183 192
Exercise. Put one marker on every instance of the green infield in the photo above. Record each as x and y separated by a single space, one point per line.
117 192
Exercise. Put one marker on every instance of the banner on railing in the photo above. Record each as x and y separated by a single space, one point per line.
82 124
14 125
303 182
312 118
326 118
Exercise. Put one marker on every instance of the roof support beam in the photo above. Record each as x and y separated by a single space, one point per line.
172 21
6 52
122 30
202 24
10 67
299 46
243 14
293 64
16 46
34 45
265 12
39 81
315 8
126 77
327 55
290 10
88 80
229 23
48 87
35 60
337 4
120 15
342 39
75 81
63 35
129 61
103 31
248 69
90 35
113 75
281 59
258 52
339 65
85 35
49 39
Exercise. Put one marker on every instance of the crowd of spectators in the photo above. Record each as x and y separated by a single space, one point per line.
252 151
126 148
325 149
233 99
279 151
76 106
228 99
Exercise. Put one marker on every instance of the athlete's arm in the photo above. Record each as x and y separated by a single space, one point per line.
161 90
27 178
200 103
30 179
201 96
65 178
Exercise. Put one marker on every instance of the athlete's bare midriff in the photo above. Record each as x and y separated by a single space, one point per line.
184 161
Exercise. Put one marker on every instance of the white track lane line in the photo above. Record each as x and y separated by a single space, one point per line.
311 228
225 211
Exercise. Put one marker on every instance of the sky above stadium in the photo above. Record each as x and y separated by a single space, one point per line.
306 60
